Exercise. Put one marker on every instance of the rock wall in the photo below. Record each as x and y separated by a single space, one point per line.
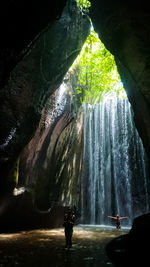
20 24
50 165
36 75
124 27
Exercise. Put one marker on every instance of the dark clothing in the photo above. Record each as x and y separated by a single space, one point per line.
118 225
69 220
68 235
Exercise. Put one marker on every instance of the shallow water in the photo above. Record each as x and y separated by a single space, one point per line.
47 247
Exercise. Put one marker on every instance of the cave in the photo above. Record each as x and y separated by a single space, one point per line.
41 130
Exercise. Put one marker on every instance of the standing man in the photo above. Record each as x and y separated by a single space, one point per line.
117 218
69 221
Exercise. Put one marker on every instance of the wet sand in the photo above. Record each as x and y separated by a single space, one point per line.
42 247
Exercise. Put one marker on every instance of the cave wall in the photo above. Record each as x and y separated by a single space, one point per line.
50 165
49 169
37 60
20 24
124 27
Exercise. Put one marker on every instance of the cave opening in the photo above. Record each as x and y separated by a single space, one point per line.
112 175
48 160
76 147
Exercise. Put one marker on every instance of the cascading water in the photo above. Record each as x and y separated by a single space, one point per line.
115 177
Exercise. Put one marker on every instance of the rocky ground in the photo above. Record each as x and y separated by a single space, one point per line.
47 247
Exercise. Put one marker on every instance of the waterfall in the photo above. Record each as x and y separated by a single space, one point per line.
114 177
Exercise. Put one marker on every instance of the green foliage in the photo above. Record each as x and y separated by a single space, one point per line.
94 73
84 4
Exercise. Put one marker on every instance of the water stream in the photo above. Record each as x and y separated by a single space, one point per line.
115 176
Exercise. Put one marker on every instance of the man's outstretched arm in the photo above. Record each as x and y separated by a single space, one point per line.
112 217
121 218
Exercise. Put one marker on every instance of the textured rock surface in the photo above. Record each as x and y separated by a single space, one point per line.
51 164
124 27
33 80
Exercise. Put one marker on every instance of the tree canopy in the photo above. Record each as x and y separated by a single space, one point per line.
94 73
84 4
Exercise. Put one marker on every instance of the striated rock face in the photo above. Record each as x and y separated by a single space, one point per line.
35 77
124 27
50 165
48 169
